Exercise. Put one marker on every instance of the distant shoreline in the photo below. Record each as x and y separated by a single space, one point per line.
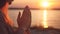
33 9
23 8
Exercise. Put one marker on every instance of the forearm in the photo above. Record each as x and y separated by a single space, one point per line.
22 31
19 31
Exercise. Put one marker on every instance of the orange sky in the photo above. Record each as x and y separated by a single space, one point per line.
35 3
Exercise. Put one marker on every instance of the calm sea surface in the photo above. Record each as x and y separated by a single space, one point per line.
52 17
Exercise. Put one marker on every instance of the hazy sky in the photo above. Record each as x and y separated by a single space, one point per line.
34 3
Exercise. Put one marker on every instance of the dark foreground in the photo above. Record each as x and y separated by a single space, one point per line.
45 31
50 30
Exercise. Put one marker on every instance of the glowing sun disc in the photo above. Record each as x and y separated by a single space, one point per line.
45 4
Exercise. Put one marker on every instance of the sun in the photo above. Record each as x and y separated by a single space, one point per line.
45 4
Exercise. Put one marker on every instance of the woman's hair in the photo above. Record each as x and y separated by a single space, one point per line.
3 2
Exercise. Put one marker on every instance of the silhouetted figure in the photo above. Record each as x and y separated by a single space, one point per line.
24 21
6 25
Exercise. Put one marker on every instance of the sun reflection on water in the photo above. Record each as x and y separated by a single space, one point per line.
45 19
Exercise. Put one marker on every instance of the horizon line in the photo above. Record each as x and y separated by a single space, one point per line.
34 9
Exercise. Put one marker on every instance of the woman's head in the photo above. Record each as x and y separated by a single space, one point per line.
3 2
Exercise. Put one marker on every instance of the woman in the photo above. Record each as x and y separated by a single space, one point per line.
6 24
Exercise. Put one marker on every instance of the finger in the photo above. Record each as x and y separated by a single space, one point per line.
18 18
19 15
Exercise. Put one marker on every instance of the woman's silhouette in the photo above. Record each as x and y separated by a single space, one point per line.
6 24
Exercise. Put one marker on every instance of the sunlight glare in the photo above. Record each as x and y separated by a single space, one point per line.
45 4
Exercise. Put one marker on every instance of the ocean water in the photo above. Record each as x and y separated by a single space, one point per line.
52 17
